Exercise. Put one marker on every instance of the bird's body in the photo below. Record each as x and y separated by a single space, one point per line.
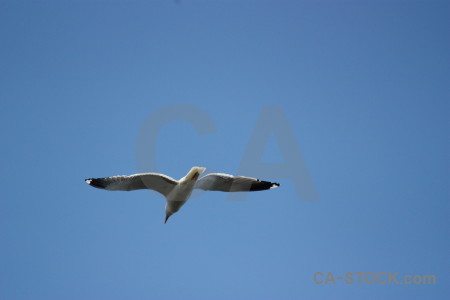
182 191
177 192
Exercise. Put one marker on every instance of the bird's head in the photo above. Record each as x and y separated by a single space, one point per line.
168 214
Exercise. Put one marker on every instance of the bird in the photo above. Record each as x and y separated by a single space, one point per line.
177 192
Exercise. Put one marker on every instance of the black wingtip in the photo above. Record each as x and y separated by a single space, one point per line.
96 182
262 185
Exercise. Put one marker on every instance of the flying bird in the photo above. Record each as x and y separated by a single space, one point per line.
177 192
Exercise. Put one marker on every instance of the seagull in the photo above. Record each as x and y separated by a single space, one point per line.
177 192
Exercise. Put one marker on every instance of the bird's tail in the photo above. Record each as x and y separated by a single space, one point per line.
194 173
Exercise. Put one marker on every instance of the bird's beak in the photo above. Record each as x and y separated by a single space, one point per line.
167 218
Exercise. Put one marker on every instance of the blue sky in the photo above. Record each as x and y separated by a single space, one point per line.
364 86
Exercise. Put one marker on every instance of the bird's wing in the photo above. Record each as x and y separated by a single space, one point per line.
229 183
153 181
